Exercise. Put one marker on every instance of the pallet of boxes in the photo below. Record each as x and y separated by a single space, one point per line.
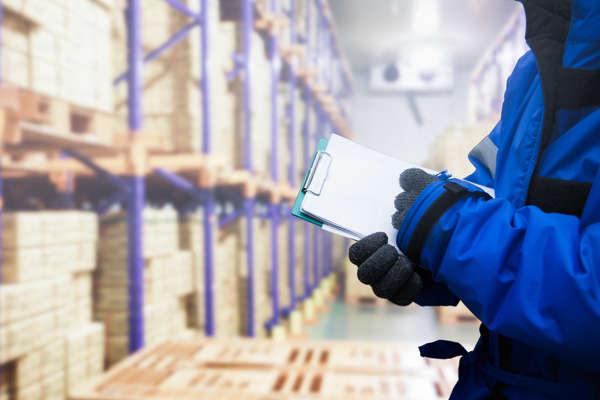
168 281
226 299
49 344
263 308
58 53
191 238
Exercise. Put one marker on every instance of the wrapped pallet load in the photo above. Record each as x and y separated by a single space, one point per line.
167 281
46 303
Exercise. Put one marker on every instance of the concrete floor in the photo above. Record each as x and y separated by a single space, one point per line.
388 324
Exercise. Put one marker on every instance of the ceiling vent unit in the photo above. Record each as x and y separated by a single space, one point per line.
403 78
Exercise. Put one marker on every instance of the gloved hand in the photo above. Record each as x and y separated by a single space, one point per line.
413 181
391 274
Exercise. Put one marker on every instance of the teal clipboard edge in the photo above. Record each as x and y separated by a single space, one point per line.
322 145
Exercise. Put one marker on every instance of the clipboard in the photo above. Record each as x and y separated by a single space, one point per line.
353 195
321 147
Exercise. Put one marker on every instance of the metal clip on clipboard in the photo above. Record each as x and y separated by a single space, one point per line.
318 173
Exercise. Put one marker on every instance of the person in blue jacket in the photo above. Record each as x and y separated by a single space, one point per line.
526 262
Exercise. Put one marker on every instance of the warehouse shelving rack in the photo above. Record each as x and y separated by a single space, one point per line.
126 166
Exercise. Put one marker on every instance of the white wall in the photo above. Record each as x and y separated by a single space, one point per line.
386 123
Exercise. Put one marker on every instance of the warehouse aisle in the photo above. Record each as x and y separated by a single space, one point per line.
388 324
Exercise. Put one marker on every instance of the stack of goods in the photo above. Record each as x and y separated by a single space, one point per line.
451 149
283 233
299 144
283 139
230 275
172 96
226 283
260 103
45 299
191 238
261 253
167 281
84 355
61 49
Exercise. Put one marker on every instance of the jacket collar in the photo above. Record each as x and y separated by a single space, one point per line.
582 48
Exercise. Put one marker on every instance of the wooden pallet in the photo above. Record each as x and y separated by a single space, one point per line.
266 370
41 123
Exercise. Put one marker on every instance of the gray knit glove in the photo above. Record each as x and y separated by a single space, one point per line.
413 181
391 275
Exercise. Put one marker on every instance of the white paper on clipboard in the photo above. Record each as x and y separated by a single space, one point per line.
356 197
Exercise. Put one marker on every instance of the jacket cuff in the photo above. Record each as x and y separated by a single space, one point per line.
438 294
425 213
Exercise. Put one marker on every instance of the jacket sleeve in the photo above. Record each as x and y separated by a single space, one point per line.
528 275
483 157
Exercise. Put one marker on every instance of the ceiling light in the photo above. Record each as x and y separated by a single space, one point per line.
426 16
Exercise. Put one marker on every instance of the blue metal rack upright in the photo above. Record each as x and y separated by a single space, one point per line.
134 79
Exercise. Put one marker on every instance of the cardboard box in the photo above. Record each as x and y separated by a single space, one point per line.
16 339
22 264
85 343
19 301
37 364
21 229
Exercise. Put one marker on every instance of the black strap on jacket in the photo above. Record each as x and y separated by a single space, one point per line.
548 24
553 195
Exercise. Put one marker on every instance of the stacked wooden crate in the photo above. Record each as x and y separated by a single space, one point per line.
62 50
168 280
45 300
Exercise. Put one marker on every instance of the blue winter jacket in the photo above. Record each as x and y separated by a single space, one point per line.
527 263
